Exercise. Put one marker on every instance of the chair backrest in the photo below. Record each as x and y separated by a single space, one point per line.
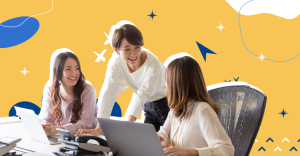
241 111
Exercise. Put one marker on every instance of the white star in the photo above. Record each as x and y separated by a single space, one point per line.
220 27
261 57
24 71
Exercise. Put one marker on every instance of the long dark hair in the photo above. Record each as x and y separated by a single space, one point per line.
185 81
58 68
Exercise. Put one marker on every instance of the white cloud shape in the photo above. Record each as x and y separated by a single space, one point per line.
288 9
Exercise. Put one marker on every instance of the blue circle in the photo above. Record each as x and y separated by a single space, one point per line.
27 105
12 36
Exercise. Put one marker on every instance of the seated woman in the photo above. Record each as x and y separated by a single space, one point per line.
192 126
69 101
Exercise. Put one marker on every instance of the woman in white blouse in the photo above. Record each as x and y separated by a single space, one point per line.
135 67
192 126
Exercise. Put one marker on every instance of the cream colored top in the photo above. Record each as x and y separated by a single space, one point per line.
148 84
201 131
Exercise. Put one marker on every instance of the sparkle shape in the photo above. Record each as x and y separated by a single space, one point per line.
204 50
277 148
270 139
261 57
220 27
283 113
152 15
261 149
100 56
285 139
24 71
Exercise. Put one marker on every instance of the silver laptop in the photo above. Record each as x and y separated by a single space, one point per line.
129 138
34 127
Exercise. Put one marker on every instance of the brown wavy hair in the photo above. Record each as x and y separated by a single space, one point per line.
58 68
184 82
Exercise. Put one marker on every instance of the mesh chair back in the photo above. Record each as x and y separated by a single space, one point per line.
241 112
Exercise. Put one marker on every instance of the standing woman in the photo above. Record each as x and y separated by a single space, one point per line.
192 127
69 102
134 67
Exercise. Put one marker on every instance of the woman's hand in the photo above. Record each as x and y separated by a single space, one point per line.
131 118
179 151
88 131
161 139
49 129
95 131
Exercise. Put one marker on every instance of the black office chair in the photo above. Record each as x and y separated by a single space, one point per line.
241 111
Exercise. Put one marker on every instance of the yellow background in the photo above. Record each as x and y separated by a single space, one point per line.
80 25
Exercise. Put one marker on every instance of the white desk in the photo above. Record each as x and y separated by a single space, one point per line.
12 126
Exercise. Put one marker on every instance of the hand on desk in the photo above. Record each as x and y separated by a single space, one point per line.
179 151
50 129
95 131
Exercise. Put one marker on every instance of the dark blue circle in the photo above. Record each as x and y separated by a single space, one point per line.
10 37
27 105
116 111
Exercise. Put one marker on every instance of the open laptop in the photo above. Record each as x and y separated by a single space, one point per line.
34 127
129 138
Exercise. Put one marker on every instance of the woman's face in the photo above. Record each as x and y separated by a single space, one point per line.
71 72
130 53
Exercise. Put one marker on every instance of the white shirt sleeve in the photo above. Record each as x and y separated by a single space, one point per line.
112 87
165 130
219 144
150 86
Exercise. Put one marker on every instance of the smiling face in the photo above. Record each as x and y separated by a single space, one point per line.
71 72
130 53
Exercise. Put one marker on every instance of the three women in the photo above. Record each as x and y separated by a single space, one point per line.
190 128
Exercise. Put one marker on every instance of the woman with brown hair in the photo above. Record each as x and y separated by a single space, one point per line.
192 126
69 101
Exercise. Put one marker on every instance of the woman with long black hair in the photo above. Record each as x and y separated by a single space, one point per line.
70 101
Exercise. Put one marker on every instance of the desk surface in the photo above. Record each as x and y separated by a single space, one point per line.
15 128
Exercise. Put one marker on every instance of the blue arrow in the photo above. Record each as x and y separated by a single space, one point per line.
270 139
293 148
204 50
261 149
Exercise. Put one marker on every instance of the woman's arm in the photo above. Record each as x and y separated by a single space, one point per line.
45 113
219 144
165 130
112 87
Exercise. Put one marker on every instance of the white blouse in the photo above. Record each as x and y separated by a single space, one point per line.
201 131
148 84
